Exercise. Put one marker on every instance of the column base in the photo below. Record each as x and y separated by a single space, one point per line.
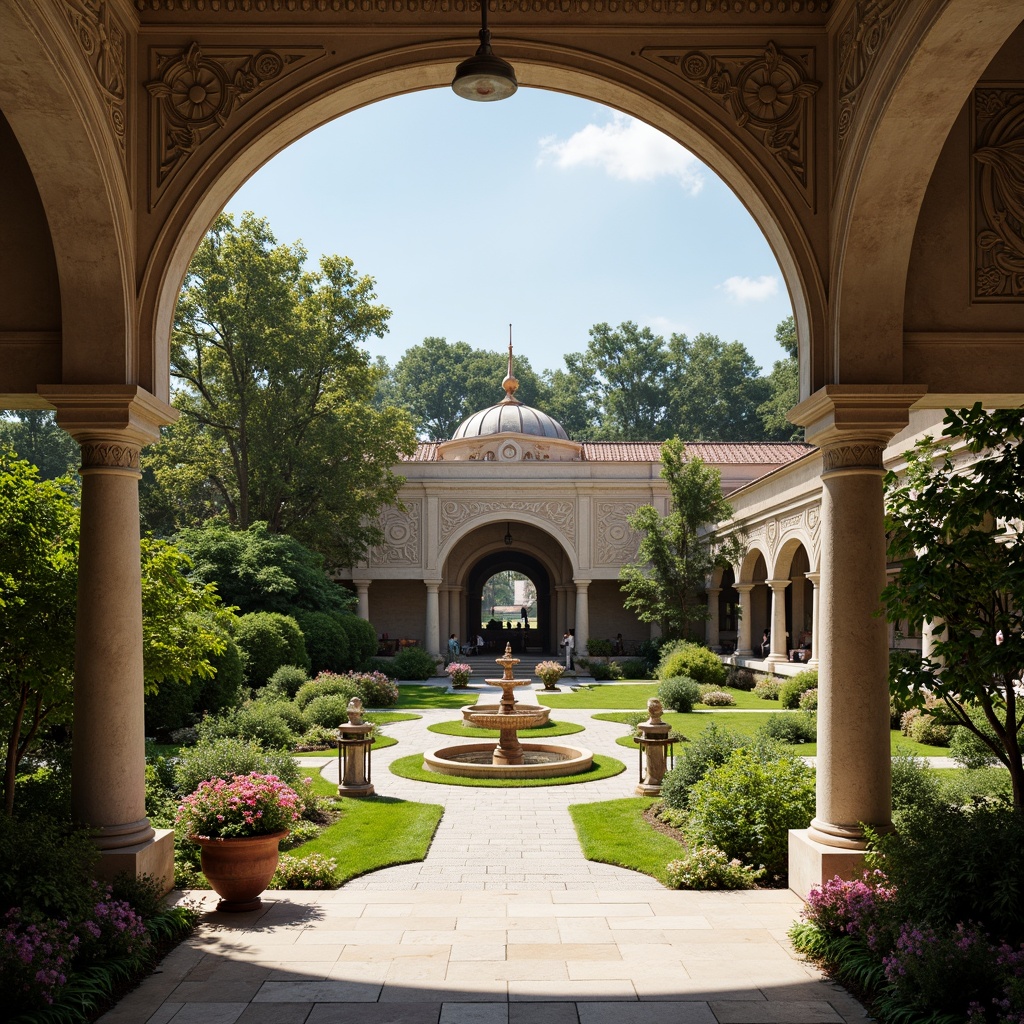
154 857
811 863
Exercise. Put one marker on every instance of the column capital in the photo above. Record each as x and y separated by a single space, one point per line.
362 583
814 577
432 585
778 584
582 583
851 415
743 588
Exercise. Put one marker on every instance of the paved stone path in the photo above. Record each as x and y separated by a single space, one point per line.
504 922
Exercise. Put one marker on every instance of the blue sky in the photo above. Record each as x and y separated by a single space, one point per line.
545 211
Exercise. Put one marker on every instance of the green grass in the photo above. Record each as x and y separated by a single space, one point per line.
614 832
411 767
536 732
387 717
612 695
419 695
375 832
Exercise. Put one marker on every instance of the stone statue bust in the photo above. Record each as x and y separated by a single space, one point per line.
655 710
355 711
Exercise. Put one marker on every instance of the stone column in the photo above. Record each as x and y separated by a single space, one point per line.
455 623
778 652
111 424
712 637
432 624
851 424
561 615
443 628
582 617
798 602
743 648
930 633
815 578
363 598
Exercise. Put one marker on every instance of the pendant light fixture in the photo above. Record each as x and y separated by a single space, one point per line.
484 77
508 535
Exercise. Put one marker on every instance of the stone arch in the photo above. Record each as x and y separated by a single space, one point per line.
557 67
522 517
793 562
904 119
536 571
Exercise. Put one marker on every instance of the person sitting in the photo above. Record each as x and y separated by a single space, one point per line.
618 647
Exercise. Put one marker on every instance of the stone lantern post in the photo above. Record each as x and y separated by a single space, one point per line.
354 742
654 739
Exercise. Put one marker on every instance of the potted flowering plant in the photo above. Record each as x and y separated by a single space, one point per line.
238 825
549 672
459 674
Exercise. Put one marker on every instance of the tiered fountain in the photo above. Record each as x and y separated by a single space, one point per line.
510 759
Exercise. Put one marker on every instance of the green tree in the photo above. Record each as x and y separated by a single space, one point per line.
957 536
275 392
35 436
714 389
783 387
678 551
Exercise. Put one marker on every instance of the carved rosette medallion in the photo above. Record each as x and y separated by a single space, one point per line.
998 207
862 455
197 92
858 43
617 541
109 455
561 514
104 44
401 531
813 519
769 92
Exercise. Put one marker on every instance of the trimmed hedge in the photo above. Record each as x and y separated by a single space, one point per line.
685 658
267 641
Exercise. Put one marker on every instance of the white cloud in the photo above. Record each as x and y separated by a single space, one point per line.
626 149
751 289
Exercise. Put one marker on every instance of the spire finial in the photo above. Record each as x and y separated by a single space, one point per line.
510 384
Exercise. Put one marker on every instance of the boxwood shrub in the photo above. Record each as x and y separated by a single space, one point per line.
679 693
792 688
228 756
326 641
267 641
414 663
694 660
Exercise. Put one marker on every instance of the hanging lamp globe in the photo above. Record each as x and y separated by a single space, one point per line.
484 77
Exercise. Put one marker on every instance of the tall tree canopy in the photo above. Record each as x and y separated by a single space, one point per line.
784 388
35 436
678 551
275 392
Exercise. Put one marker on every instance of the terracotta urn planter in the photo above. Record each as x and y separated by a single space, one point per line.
240 869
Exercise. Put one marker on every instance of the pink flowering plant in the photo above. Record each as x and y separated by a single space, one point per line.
35 959
459 673
248 805
854 907
549 672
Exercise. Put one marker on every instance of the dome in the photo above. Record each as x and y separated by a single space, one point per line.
510 416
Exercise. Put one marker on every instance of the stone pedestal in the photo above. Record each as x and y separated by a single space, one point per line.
354 742
654 741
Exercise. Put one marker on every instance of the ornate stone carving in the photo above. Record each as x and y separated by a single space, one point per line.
559 513
813 519
773 535
858 43
617 541
998 208
791 522
769 92
105 454
851 456
104 43
195 93
401 536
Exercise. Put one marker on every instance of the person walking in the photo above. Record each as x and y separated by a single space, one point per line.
453 649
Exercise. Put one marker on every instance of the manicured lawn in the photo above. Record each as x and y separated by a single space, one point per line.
613 695
614 832
411 767
419 695
387 717
375 832
537 732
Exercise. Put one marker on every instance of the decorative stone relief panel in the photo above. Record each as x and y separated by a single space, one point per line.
455 514
401 536
847 456
194 93
858 43
998 208
769 92
109 455
104 44
617 541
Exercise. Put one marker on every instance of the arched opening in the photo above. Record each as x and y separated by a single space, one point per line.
728 611
509 628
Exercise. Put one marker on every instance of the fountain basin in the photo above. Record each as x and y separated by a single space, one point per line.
488 716
541 761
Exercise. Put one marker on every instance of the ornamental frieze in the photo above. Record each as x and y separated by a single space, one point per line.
998 207
107 455
769 92
851 456
401 531
455 514
858 43
196 92
103 41
617 541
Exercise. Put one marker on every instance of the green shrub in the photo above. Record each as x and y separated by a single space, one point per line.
694 660
314 871
602 671
913 785
598 647
707 867
792 688
969 750
287 680
226 757
161 800
258 721
326 641
903 668
809 700
326 683
635 668
930 731
329 710
285 709
791 727
747 806
385 666
224 690
716 698
740 678
414 663
707 750
43 785
376 689
267 641
362 640
649 651
679 693
317 737
768 688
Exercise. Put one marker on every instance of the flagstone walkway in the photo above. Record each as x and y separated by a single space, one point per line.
504 922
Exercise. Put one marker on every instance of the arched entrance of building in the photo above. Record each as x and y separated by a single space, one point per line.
509 629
